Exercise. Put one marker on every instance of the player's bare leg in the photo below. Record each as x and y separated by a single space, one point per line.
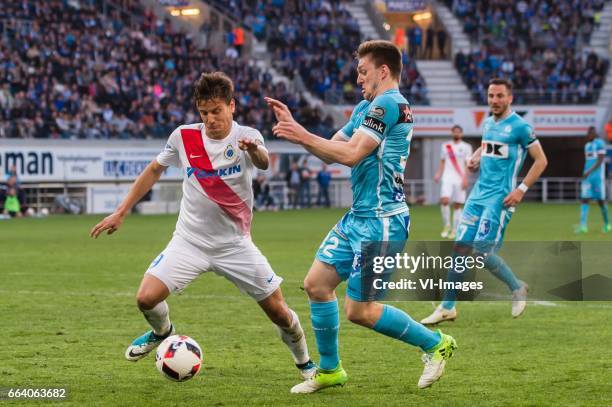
290 331
446 220
320 285
457 213
150 298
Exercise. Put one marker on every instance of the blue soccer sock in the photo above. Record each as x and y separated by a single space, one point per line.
450 295
604 213
498 267
584 213
397 324
325 323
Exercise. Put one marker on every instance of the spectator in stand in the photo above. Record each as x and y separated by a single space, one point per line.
429 42
323 179
305 175
441 36
293 179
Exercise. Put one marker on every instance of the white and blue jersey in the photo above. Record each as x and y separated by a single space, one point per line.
379 211
593 187
504 147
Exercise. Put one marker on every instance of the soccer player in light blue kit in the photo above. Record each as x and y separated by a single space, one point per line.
593 184
375 143
506 139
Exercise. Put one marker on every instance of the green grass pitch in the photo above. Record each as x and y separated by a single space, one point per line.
67 313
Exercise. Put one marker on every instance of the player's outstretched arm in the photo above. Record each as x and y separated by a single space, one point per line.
257 152
537 168
141 186
347 153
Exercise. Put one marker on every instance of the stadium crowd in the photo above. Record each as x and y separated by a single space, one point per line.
313 42
541 45
74 72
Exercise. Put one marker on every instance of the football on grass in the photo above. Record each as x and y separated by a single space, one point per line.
178 358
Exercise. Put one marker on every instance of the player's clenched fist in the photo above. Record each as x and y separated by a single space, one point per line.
111 223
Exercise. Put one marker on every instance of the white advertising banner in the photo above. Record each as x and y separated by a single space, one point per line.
79 163
546 121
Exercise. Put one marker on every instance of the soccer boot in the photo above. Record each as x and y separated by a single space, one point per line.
435 360
307 370
519 300
445 232
321 380
581 229
452 235
144 344
606 228
440 314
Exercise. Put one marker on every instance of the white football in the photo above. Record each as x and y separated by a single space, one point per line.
178 358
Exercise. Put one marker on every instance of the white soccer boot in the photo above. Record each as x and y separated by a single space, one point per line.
519 300
440 314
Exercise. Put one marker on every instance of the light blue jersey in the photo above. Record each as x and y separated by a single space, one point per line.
378 180
504 146
593 187
592 150
379 211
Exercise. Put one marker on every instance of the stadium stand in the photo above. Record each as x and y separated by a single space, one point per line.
542 45
315 40
70 71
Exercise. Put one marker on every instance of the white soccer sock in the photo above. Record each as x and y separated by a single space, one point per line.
457 218
295 340
158 318
445 214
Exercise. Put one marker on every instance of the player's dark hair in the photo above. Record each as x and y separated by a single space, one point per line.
501 81
382 52
213 85
456 126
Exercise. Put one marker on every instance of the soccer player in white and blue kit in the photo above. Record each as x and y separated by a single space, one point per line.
506 139
375 143
593 184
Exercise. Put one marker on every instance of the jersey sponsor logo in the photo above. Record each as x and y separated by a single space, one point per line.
374 124
494 149
229 152
405 113
377 111
219 172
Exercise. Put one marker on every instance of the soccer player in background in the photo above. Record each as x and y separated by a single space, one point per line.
375 143
452 171
506 139
593 184
213 232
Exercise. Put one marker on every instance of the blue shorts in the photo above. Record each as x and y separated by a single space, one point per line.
483 226
341 247
593 188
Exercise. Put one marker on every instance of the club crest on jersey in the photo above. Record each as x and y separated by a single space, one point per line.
229 152
377 111
484 228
